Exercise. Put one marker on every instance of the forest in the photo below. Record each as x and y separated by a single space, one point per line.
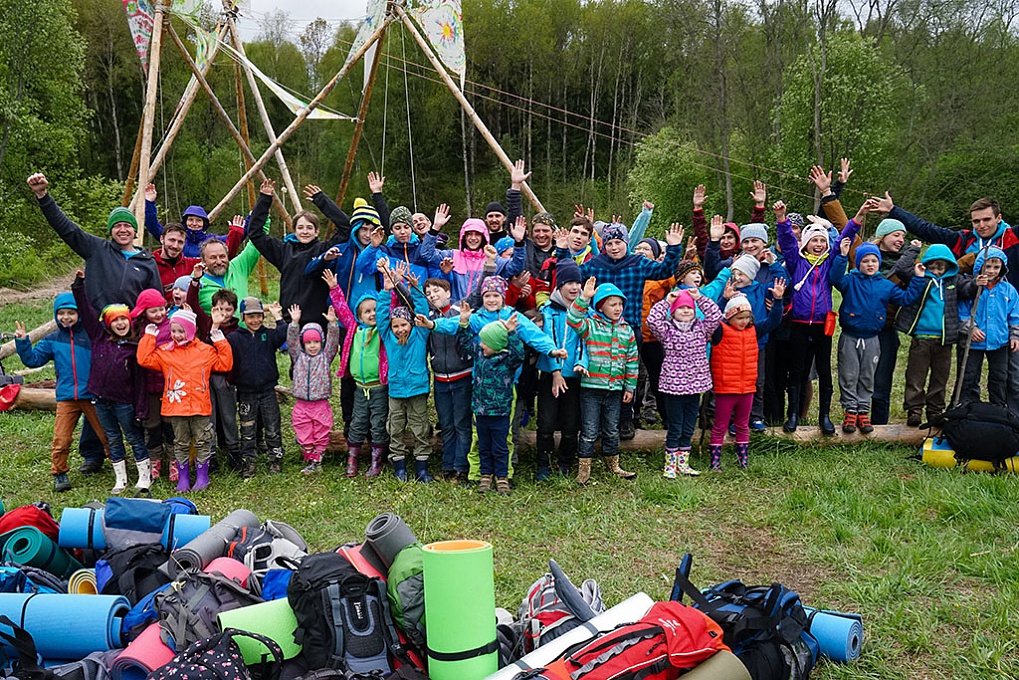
609 102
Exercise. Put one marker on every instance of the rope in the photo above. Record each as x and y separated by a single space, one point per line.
410 136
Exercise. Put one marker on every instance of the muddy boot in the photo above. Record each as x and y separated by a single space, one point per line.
584 471
183 477
375 469
612 463
683 463
120 471
201 476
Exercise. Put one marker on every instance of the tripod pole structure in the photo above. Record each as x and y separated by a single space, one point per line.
149 112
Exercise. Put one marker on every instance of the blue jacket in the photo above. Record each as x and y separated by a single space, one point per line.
408 372
553 314
936 313
531 335
997 306
492 377
68 348
865 299
757 293
195 237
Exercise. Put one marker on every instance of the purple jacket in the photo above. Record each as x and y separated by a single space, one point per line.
811 290
685 369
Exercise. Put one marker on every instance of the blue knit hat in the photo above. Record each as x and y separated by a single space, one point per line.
504 244
567 271
867 249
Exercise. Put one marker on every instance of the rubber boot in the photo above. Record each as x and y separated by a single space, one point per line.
485 485
183 477
400 469
201 476
716 457
120 470
743 455
174 472
793 414
669 472
584 471
378 453
421 471
543 475
612 463
144 474
683 463
155 458
352 452
823 418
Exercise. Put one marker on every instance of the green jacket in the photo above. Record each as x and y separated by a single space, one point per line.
611 349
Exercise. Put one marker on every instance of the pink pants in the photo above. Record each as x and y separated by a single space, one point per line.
725 406
313 421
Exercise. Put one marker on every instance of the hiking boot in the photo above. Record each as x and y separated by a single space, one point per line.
400 469
421 472
612 463
716 458
913 420
352 460
863 422
669 471
485 485
849 423
627 431
61 482
375 469
144 474
743 456
502 486
683 463
312 468
544 474
91 466
584 471
201 476
120 474
757 426
183 477
275 466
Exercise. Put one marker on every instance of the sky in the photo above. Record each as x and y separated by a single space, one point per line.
301 13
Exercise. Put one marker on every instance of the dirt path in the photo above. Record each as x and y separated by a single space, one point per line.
44 290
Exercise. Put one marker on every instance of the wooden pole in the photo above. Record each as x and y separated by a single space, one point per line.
263 113
221 112
348 166
135 158
471 113
149 114
301 117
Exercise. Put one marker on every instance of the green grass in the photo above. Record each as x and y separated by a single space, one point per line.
928 556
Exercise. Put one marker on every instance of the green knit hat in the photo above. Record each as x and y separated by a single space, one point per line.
495 336
400 214
120 214
889 226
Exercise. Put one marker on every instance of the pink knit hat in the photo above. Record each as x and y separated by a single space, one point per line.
684 299
185 320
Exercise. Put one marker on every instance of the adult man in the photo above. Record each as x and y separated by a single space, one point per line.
222 272
170 258
196 223
496 215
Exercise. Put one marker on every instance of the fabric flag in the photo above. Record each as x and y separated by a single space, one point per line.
139 18
292 102
376 15
204 42
442 21
188 8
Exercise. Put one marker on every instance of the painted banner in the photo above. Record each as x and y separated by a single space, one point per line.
376 15
442 22
139 18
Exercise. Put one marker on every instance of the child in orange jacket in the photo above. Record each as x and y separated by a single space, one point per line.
186 364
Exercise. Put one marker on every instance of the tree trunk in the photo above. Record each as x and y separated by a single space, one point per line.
117 151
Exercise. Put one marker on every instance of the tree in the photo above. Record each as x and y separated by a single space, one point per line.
667 168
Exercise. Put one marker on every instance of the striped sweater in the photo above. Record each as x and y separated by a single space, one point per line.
611 349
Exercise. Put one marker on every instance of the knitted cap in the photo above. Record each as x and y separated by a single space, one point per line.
120 214
147 299
251 305
494 284
364 213
312 331
737 303
401 312
183 282
795 219
819 228
754 230
567 271
685 267
185 320
865 249
684 299
543 218
614 231
656 247
503 244
747 264
494 335
114 311
400 215
888 226
495 207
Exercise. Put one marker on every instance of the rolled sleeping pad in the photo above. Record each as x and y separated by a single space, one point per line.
460 601
197 553
232 569
387 535
67 626
83 582
31 547
839 635
937 452
82 528
628 611
273 619
181 529
146 653
722 665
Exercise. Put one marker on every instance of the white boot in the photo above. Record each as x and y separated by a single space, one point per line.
144 474
120 470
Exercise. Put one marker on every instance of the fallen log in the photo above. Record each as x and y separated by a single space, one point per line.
8 349
35 399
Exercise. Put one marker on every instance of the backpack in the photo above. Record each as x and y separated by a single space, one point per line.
343 618
181 506
35 515
554 606
269 546
670 639
188 608
980 431
133 572
764 626
405 588
217 658
26 666
129 521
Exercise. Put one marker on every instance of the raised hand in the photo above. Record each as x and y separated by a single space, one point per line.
237 221
441 217
422 321
295 313
519 229
38 183
465 313
648 205
198 271
779 210
617 219
778 288
491 253
919 269
310 190
376 182
152 329
150 193
844 246
401 270
562 238
331 315
267 188
674 236
446 266
730 290
20 331
820 178
844 171
695 293
378 235
768 257
717 228
589 287
885 204
691 249
699 196
511 323
276 309
218 317
517 175
916 243
331 254
330 278
760 193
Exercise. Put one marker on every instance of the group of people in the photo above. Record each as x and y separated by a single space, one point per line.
599 324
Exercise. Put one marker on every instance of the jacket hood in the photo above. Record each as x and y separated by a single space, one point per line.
990 254
196 211
393 243
357 306
939 251
64 301
475 225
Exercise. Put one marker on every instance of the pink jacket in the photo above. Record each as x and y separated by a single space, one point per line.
350 322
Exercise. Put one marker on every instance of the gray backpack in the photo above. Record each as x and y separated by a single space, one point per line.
188 607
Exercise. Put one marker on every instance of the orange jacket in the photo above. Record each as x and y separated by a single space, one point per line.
734 361
654 291
186 372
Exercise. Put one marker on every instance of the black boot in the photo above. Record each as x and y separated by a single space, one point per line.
823 419
793 419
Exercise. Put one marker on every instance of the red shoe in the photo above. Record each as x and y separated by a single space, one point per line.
863 422
849 423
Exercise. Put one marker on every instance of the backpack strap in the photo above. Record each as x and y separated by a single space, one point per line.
22 642
682 584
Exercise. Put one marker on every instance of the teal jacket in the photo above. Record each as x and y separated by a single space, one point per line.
409 375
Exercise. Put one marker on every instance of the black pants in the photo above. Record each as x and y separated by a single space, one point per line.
652 354
997 375
809 344
561 414
347 387
626 413
254 409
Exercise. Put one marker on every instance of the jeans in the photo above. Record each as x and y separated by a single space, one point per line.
561 414
884 376
115 418
492 448
90 446
683 410
626 410
453 406
260 408
599 415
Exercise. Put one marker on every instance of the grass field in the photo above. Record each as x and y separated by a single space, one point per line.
930 557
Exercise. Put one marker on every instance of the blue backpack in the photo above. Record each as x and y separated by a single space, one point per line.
765 626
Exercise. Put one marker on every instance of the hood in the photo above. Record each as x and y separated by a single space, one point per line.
195 211
63 301
981 242
988 254
393 243
939 251
479 226
357 305
606 290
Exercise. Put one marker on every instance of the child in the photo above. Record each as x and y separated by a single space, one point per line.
933 323
451 385
470 258
150 307
993 330
179 293
612 368
685 370
865 297
559 379
497 353
117 383
407 346
185 363
255 374
69 349
734 371
403 245
363 360
312 416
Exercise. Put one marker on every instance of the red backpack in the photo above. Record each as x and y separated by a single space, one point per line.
36 515
670 639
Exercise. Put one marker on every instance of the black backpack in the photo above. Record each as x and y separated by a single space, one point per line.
343 618
980 431
188 608
135 571
26 666
218 658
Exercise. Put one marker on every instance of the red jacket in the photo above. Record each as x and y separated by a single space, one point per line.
734 361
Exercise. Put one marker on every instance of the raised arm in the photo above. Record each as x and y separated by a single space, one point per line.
926 231
270 248
640 224
152 224
88 316
81 242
